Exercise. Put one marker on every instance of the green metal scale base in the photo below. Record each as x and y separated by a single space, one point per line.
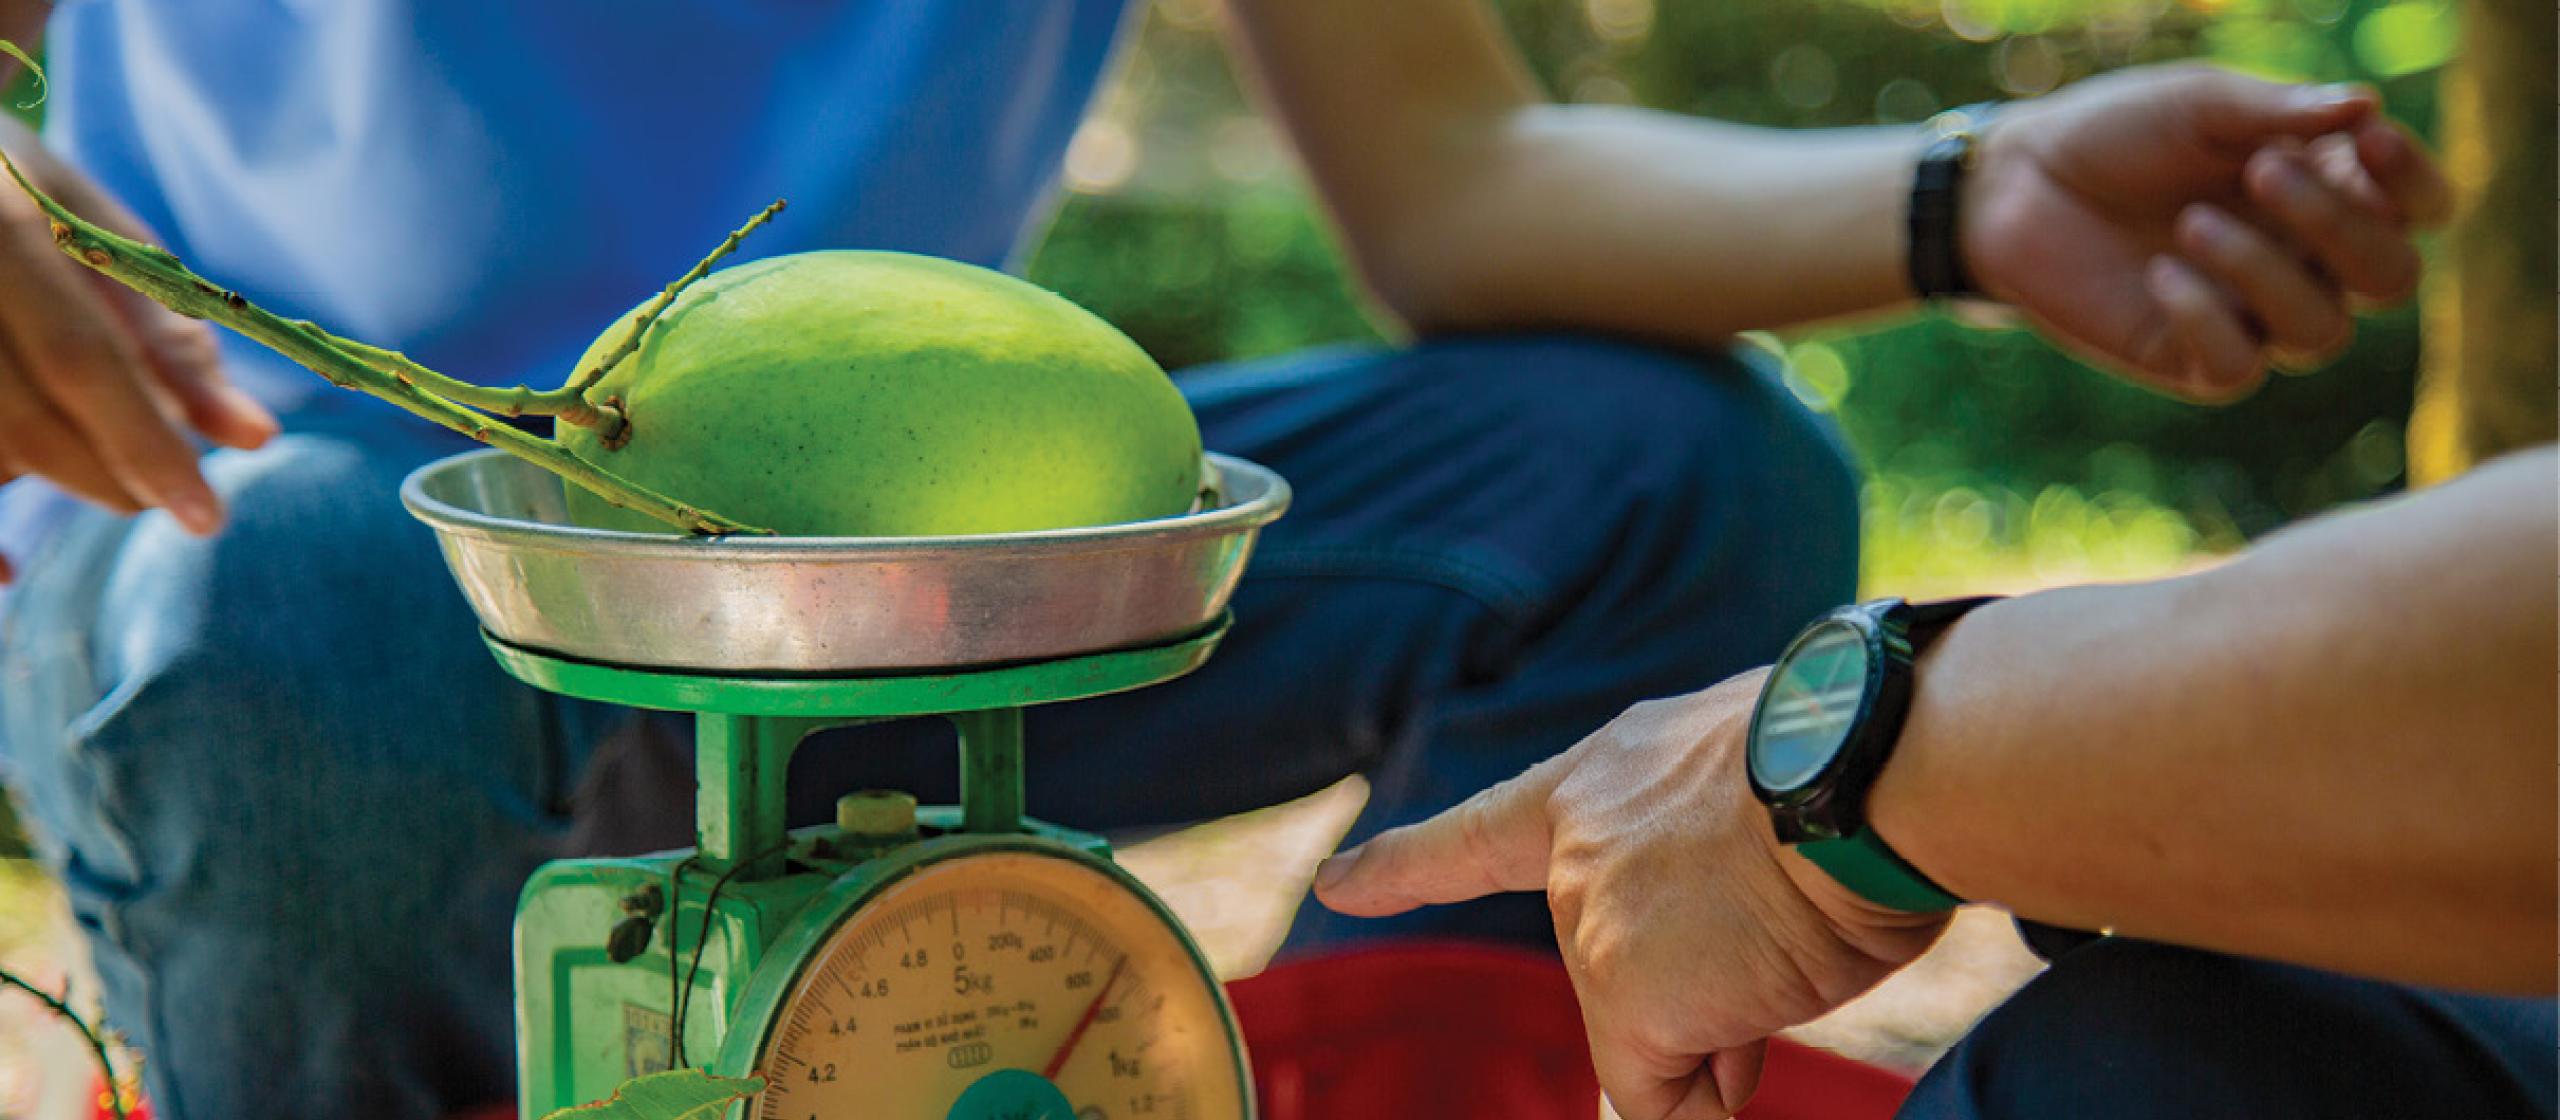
951 961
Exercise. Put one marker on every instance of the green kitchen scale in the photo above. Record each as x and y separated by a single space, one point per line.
963 962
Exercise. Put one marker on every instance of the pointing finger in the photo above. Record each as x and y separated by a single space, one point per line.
1492 842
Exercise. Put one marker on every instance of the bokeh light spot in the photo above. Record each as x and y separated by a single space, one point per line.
2028 65
1803 76
1619 21
1245 150
2375 453
2406 37
1974 20
1189 15
1818 376
1961 518
1603 89
2283 51
1101 157
1904 100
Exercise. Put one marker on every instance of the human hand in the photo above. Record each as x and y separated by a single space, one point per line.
99 385
1690 933
2188 226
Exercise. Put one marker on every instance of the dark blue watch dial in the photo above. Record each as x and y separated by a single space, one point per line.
1813 699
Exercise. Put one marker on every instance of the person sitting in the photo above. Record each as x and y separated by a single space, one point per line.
291 797
2309 791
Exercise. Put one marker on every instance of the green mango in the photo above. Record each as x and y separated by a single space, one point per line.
877 394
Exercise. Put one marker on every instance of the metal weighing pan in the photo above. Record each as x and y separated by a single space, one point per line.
835 606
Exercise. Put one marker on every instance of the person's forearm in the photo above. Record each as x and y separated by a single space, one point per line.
2336 750
1471 203
1658 225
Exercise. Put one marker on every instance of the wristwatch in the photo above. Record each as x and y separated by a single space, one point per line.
1823 729
1936 247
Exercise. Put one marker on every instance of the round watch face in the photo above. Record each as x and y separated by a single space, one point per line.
1814 696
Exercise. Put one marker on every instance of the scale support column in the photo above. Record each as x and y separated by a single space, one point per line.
990 769
739 763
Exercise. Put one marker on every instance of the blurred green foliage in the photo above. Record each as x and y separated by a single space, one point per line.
1250 276
18 94
1995 459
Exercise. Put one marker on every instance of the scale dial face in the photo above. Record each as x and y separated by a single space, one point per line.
1003 985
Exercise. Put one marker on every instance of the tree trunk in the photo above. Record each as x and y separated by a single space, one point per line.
2489 377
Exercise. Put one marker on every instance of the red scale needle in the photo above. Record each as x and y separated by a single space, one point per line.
1067 1049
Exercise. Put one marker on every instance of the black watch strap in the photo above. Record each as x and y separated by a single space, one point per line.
1927 620
1937 249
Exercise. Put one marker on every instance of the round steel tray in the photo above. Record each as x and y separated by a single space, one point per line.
830 605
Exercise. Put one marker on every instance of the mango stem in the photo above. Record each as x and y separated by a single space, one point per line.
576 389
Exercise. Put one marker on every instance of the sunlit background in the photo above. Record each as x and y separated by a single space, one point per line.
1994 463
1994 460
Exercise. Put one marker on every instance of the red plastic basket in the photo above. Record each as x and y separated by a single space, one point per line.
1435 1028
104 1108
1442 1028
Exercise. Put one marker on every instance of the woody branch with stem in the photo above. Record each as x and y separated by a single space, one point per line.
60 1006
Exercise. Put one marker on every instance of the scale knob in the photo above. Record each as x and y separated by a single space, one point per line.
877 814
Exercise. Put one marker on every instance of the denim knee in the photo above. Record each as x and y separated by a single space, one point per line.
252 682
2135 1029
1722 513
289 792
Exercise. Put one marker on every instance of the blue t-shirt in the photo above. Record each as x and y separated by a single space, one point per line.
486 184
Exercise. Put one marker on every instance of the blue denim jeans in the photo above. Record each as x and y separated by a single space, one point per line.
292 797
2129 1030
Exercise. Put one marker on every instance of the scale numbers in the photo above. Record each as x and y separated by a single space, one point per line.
975 974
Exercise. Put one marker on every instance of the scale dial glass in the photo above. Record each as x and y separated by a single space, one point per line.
975 972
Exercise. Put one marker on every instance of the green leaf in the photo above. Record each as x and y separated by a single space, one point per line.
677 1094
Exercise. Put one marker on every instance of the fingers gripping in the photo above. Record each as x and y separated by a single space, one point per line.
180 351
35 438
2368 253
102 383
2334 159
2236 111
2220 359
1646 1085
2405 172
2302 313
185 362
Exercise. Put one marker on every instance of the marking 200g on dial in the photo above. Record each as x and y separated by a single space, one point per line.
1003 984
